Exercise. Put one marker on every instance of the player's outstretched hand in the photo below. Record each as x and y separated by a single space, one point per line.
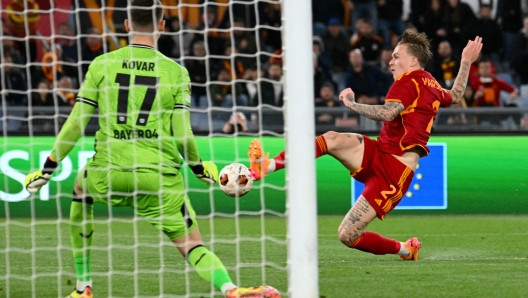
347 97
206 171
472 50
34 181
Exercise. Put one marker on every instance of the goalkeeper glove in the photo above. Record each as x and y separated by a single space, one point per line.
206 171
34 181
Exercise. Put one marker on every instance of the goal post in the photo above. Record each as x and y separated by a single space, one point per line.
299 130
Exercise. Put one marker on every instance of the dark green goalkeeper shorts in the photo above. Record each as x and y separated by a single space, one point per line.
159 199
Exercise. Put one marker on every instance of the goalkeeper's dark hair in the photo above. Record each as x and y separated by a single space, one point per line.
145 15
417 45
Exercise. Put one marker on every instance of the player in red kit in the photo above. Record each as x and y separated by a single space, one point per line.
386 166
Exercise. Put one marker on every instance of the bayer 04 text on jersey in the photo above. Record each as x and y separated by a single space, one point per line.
127 134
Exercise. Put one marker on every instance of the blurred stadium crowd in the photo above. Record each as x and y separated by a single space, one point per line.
233 55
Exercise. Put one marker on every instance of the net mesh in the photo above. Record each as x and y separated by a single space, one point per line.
232 50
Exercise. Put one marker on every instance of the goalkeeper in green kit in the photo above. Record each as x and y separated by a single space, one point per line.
143 99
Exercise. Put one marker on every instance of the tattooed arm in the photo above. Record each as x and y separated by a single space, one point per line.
459 87
469 55
386 112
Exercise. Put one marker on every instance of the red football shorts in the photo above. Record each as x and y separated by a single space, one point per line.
386 179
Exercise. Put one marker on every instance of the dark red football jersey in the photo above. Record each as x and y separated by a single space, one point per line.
421 95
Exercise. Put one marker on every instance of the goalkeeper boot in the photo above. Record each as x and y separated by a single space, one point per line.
87 293
255 292
412 245
258 162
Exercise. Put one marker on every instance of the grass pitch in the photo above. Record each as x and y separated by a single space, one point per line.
461 256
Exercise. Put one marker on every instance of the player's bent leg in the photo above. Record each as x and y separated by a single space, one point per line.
206 263
348 148
355 222
188 242
352 231
211 269
81 231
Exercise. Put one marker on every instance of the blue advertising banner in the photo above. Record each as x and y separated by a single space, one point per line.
428 189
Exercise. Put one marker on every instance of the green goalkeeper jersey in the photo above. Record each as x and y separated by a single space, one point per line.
136 89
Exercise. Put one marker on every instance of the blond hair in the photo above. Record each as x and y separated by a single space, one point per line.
417 45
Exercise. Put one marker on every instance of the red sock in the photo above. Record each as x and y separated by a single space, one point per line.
279 161
376 244
320 149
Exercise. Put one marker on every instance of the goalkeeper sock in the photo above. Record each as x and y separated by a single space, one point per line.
81 285
209 267
376 244
81 231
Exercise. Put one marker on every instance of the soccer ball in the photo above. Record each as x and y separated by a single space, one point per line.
235 180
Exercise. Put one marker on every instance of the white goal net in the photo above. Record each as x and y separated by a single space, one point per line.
233 52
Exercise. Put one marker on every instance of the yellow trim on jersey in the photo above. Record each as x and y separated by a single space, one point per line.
414 145
356 172
411 108
392 100
403 74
